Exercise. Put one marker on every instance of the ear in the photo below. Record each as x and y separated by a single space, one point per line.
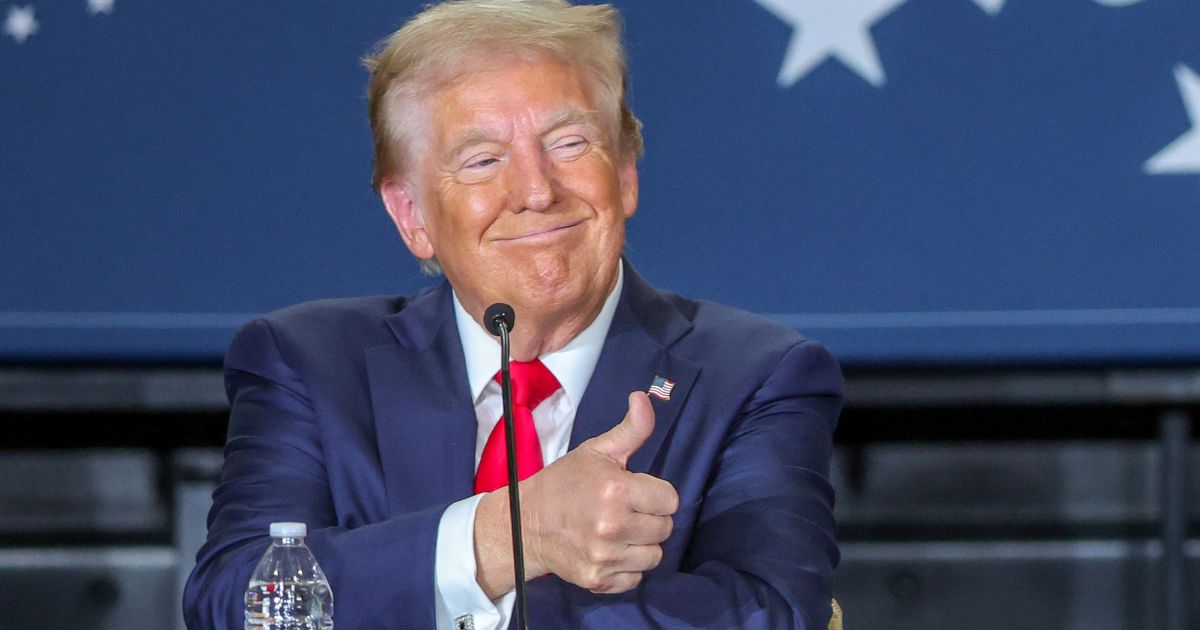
402 208
628 175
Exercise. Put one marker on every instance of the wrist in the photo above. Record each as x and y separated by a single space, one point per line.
493 545
534 564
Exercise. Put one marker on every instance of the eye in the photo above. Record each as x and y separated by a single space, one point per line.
479 168
571 146
479 162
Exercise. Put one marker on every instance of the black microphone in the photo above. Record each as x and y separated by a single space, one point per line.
499 320
497 314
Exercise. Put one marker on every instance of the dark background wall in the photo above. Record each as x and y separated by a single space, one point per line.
987 209
171 169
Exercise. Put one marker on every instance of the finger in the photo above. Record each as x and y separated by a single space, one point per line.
647 529
650 495
623 440
639 558
619 583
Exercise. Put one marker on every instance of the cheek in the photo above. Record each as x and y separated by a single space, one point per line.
600 187
465 215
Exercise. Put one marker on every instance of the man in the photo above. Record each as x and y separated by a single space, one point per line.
506 155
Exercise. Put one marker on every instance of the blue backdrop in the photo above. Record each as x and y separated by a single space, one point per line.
929 181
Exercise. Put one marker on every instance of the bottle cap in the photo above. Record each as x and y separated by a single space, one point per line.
289 530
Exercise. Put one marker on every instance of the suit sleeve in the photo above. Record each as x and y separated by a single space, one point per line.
274 471
763 551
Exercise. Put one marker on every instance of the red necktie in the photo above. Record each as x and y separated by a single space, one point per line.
532 383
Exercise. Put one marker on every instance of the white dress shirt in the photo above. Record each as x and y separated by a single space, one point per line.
458 595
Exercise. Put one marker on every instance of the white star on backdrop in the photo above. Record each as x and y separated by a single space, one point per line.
991 6
96 7
831 28
1182 155
20 23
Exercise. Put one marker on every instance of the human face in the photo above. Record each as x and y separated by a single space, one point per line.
520 194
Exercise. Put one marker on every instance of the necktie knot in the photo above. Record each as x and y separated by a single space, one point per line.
532 383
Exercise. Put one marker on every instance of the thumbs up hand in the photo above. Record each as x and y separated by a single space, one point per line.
590 521
623 440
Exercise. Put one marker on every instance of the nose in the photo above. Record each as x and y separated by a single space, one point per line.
532 182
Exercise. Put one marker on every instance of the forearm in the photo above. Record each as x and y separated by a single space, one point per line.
391 561
493 545
712 596
742 562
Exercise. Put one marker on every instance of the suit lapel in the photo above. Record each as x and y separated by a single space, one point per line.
424 415
636 350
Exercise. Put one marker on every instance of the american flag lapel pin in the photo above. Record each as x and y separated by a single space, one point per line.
661 388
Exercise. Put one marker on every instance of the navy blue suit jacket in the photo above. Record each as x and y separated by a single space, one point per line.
354 417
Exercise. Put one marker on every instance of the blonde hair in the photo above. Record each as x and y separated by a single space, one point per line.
445 39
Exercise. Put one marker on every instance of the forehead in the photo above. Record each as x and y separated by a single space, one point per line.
507 95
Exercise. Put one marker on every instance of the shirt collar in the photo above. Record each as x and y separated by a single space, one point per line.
572 365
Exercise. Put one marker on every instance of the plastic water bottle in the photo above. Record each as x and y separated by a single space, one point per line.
288 590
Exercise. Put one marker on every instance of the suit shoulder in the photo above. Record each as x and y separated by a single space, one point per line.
743 351
709 318
323 326
735 336
335 312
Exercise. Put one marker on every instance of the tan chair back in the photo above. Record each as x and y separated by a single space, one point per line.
835 622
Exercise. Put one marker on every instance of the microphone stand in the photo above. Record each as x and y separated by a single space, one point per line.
502 324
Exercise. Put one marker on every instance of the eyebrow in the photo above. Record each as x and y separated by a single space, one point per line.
570 116
561 118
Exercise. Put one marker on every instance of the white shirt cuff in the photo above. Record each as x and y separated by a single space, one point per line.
456 590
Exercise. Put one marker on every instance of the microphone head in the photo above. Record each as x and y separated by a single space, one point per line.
497 313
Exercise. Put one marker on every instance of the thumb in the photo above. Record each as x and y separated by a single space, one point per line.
623 440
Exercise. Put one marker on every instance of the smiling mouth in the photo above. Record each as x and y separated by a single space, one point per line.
547 232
